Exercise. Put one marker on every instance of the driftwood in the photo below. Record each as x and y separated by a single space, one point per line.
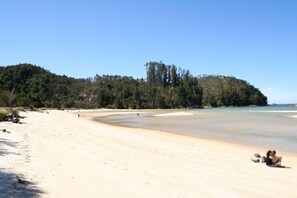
14 117
15 120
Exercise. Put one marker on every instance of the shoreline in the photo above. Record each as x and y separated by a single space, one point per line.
70 156
93 114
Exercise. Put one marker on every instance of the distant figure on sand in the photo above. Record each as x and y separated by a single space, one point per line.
272 159
275 159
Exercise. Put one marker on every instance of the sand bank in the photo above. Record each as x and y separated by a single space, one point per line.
63 155
174 114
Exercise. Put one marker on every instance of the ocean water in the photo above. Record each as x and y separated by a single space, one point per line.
271 127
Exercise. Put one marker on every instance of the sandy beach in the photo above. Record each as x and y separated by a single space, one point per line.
58 154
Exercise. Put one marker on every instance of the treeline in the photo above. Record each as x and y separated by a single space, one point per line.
166 86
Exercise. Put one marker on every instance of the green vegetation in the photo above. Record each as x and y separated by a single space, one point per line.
166 86
3 113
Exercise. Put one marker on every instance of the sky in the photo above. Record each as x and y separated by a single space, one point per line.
252 40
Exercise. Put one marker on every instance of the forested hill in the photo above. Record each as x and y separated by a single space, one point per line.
166 86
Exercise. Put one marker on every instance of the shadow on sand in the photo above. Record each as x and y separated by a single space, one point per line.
7 143
14 185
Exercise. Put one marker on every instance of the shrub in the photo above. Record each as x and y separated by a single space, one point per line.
3 114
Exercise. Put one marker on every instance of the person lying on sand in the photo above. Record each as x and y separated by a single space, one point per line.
273 160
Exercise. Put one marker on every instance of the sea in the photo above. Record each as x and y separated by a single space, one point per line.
272 127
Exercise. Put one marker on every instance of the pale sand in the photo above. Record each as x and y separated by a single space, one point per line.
174 114
67 156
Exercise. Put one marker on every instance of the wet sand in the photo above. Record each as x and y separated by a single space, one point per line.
267 129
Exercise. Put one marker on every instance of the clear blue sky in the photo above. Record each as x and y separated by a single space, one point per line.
253 40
